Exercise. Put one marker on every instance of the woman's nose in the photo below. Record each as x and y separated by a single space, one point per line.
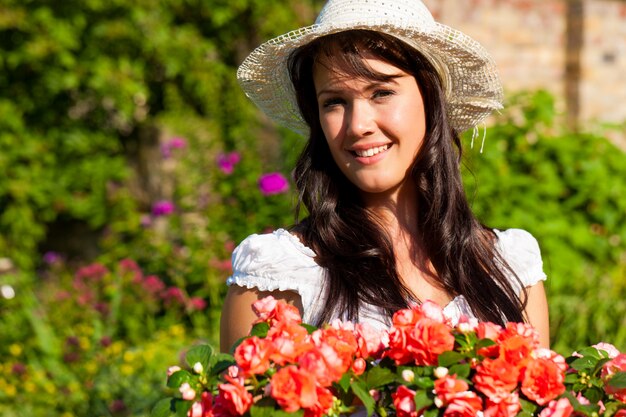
360 119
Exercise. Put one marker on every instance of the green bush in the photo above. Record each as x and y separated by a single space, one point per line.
565 189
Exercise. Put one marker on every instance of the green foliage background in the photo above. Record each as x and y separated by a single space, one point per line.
91 90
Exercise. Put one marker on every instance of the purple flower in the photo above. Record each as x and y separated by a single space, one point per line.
227 161
273 183
174 143
163 208
51 257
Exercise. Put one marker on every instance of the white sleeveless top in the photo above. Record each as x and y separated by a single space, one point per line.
279 261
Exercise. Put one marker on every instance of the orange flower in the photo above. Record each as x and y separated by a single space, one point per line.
397 346
404 401
488 330
447 387
516 350
324 402
506 407
253 355
314 363
542 381
453 394
234 397
293 389
289 341
428 340
496 378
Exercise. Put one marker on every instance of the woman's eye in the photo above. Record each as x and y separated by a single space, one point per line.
382 93
331 102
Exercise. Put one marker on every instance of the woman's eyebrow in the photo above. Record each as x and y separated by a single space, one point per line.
391 79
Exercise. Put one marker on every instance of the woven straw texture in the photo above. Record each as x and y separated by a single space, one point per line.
470 79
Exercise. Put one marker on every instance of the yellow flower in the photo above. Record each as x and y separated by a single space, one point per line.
29 387
15 349
126 369
129 356
177 330
84 343
10 390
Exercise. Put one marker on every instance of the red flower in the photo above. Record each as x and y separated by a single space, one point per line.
269 309
542 381
234 396
324 402
371 342
253 355
404 401
496 378
293 389
560 408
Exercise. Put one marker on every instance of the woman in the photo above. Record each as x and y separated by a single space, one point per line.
383 91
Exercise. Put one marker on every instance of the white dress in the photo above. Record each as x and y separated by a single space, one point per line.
279 261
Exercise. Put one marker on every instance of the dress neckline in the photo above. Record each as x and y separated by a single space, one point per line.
450 307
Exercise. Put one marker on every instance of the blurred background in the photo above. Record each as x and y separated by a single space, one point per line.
131 165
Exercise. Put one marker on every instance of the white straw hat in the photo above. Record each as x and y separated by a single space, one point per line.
469 75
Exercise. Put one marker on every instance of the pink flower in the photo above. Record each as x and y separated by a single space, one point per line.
506 407
608 348
51 258
617 364
163 208
273 183
371 342
174 295
197 303
174 143
226 162
172 369
560 408
93 272
153 284
187 392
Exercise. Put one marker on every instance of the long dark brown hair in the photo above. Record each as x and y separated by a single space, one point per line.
357 254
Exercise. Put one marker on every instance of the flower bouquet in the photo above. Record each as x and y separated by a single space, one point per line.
421 366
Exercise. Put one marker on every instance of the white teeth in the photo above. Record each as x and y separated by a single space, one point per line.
371 151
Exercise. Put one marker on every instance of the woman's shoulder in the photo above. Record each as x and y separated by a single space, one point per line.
520 250
273 261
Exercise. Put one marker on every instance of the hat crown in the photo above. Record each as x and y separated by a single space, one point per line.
398 13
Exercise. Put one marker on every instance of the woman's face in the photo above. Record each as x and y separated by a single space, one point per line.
374 129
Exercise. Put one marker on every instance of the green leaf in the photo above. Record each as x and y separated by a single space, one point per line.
483 343
164 408
461 370
260 329
200 353
618 380
344 382
590 352
422 400
182 407
358 387
584 364
433 412
378 377
178 378
424 382
528 407
449 358
593 394
270 411
220 362
310 329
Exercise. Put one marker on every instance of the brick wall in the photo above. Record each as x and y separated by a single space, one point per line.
527 40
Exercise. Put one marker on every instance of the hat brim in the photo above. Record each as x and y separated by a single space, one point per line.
468 73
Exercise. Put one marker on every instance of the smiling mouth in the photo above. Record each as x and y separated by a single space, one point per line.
365 153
